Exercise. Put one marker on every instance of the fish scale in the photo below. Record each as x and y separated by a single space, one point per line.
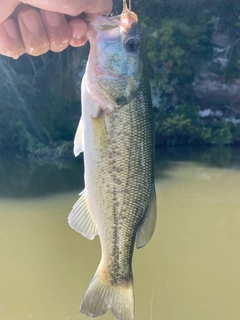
116 135
134 195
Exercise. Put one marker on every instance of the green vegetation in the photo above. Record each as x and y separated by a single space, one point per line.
178 41
183 126
180 47
40 97
39 104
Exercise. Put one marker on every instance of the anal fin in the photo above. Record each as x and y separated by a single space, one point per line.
81 219
146 228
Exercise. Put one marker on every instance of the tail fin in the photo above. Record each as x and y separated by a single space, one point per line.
101 296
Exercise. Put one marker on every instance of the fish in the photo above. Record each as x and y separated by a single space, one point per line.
116 136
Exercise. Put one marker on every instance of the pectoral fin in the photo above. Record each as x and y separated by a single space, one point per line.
146 228
78 140
81 219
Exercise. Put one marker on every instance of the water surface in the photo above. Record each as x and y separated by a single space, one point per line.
189 271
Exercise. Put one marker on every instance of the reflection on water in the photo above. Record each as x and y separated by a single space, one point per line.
21 178
189 271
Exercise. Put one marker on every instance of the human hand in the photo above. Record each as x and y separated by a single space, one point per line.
36 26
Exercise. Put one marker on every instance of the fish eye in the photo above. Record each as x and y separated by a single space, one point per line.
132 44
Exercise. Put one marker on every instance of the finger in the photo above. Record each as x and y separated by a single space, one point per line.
100 7
11 43
69 7
78 30
33 32
7 8
73 7
57 29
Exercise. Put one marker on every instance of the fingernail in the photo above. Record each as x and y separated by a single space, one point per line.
77 30
76 35
15 57
53 19
11 29
31 20
78 42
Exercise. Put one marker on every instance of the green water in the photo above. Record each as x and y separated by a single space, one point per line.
189 271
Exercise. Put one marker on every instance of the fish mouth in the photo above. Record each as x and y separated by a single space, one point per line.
129 17
125 19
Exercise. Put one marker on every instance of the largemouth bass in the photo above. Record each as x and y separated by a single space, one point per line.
115 133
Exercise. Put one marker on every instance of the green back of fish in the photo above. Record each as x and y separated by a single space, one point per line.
127 170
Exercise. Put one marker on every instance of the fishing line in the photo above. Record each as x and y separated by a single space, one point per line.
125 7
154 285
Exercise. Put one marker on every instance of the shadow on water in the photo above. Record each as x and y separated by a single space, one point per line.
23 178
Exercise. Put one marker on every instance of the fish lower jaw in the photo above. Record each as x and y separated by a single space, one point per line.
106 75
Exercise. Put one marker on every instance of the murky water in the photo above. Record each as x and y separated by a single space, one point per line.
189 271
